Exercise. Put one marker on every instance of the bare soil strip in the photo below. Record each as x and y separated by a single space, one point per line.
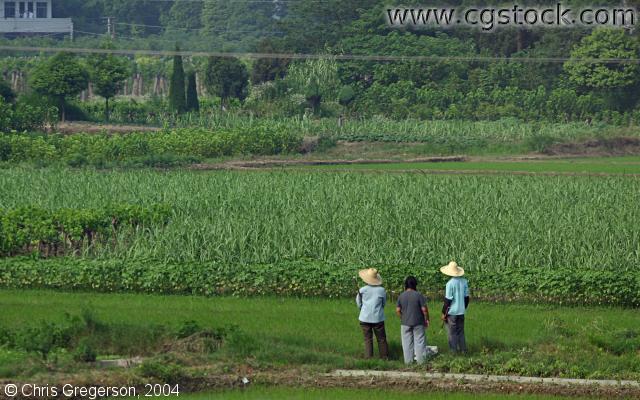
256 164
616 146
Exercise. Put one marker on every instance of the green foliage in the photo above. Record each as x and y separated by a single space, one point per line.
268 69
28 114
167 372
128 110
311 26
85 337
193 104
364 74
49 233
232 25
604 44
6 94
85 351
346 95
151 148
483 233
107 73
59 78
177 100
314 77
309 278
329 225
183 15
313 94
226 78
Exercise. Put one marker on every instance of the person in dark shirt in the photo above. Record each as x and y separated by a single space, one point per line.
414 315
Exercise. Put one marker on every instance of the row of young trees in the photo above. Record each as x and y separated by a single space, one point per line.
64 76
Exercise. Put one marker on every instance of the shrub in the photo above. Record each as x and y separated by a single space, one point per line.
306 278
84 351
167 372
166 148
49 233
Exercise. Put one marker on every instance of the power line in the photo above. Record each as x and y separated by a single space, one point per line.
302 56
196 29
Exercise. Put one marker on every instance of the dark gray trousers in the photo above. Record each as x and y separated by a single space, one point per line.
455 329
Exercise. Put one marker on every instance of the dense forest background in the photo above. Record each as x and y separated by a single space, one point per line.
478 88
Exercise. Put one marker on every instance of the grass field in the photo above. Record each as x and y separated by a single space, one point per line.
617 165
261 393
319 333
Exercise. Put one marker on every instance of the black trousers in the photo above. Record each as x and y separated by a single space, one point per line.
368 331
455 330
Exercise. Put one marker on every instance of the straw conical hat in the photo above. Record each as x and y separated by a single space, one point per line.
452 269
370 276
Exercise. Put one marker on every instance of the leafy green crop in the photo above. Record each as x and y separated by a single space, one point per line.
307 278
31 229
566 238
80 149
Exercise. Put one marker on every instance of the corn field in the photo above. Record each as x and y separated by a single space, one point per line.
485 223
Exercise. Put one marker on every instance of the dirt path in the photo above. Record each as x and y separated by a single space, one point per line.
211 378
422 382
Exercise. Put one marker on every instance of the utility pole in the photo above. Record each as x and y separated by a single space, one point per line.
111 27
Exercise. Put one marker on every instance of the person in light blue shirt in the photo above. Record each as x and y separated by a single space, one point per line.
371 300
456 301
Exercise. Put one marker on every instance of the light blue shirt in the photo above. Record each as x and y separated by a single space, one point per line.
457 289
371 301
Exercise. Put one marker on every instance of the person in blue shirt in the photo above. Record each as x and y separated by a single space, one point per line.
371 300
456 301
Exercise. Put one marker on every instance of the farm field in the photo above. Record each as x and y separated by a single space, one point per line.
321 334
288 242
193 192
539 238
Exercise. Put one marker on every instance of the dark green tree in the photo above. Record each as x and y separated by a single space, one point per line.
313 94
183 15
604 44
226 78
192 92
177 100
107 73
59 78
614 81
6 93
238 25
311 26
268 69
346 95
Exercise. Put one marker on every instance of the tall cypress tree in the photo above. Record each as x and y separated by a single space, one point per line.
192 92
177 101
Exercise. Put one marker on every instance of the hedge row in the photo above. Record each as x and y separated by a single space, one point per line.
82 149
312 278
53 232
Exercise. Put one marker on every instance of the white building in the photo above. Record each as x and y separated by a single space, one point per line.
31 17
